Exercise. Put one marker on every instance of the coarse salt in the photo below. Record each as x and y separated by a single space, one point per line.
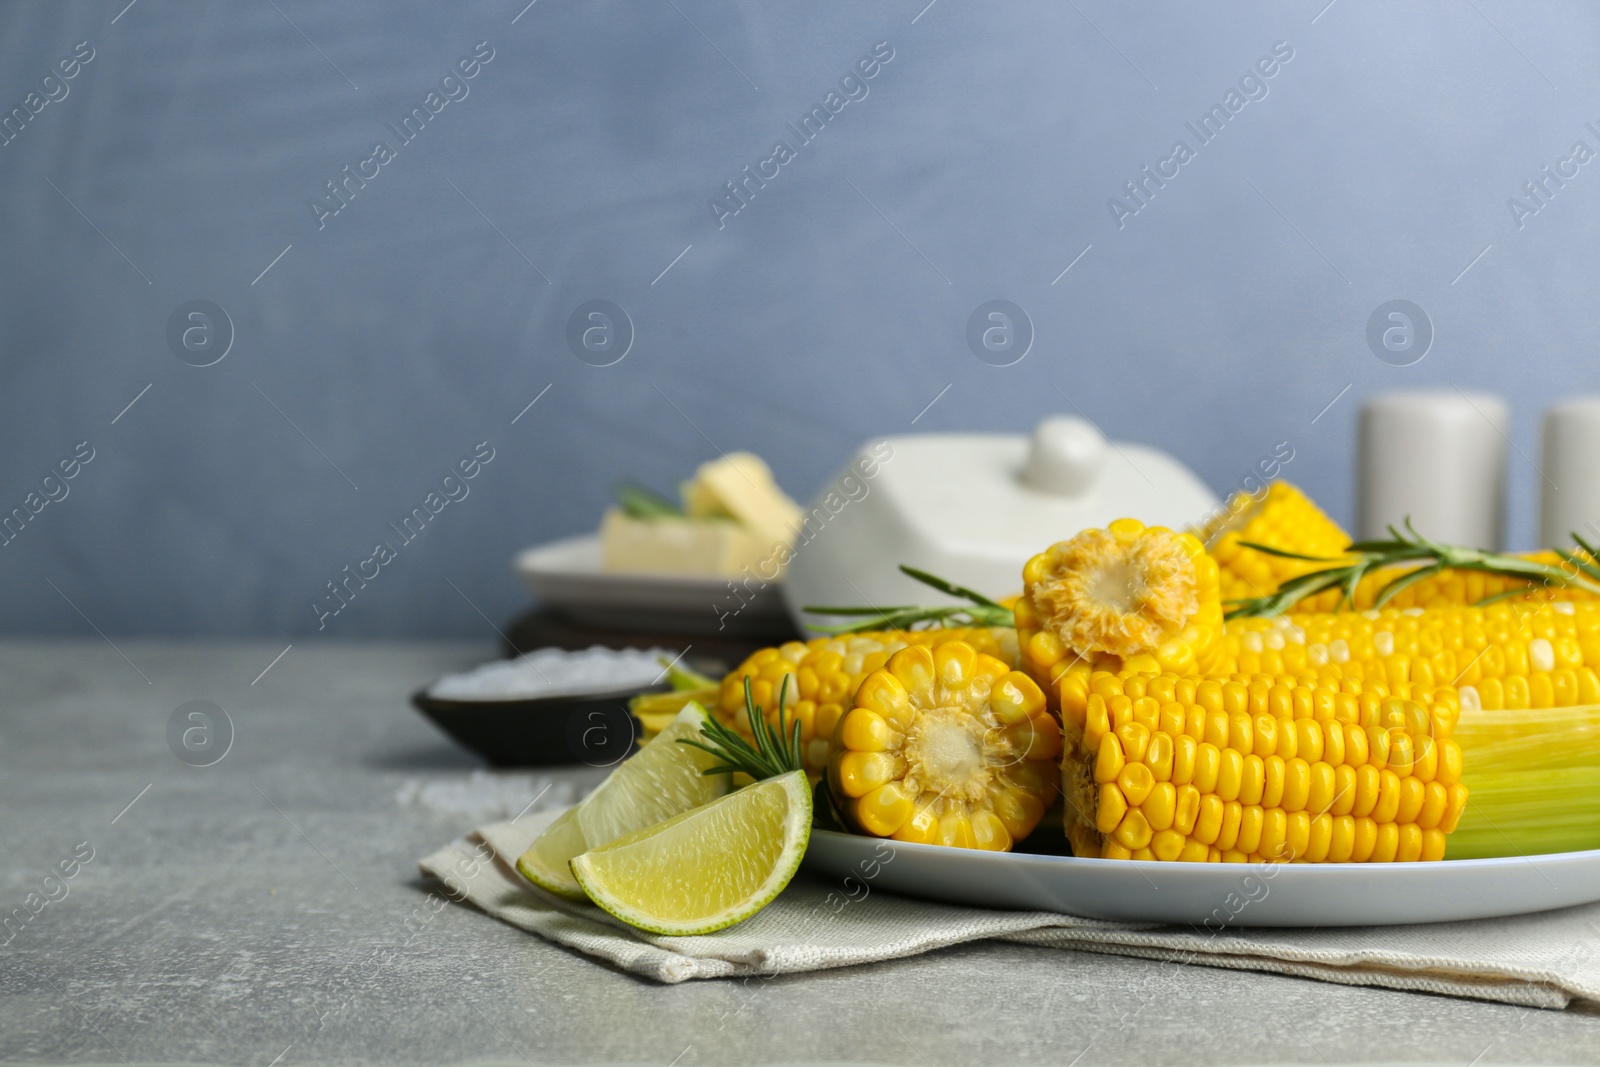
556 672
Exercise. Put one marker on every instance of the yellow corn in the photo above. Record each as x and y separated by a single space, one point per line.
1130 596
1183 768
948 746
823 675
1528 673
1283 518
1508 655
1288 519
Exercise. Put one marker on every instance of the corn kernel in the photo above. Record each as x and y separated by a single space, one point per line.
1387 844
1186 809
955 831
1297 836
1344 790
1296 784
1228 835
1208 763
922 828
1134 831
1388 798
1159 756
1160 807
1322 788
885 809
1135 738
1365 840
1136 782
1413 794
862 772
989 832
1342 839
1168 845
1185 751
1253 782
866 731
1274 833
1452 811
1112 807
1250 825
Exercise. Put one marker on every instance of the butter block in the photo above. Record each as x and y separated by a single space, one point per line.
718 548
741 485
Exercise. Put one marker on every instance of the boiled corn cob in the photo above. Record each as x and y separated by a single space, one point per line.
1530 696
1130 595
946 745
1283 518
1179 768
824 674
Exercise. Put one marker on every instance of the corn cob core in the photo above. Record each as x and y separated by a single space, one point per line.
1508 655
1129 595
1251 769
1284 518
824 674
946 746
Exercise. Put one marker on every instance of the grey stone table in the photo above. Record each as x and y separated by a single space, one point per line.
256 911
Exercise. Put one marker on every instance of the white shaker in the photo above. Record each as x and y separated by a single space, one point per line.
1569 489
1439 457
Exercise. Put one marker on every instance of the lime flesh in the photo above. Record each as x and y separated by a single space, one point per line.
708 868
663 779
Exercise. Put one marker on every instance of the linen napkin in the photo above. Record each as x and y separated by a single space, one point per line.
1545 960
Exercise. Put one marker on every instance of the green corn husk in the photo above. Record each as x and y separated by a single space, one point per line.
1533 782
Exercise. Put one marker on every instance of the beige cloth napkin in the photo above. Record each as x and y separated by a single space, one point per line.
1544 960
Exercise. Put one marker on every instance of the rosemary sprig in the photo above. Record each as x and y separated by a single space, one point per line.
1577 571
982 612
637 502
777 748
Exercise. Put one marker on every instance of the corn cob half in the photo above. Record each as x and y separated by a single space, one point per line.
824 674
946 745
1130 595
1176 768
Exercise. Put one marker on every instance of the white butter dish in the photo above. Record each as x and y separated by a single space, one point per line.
973 508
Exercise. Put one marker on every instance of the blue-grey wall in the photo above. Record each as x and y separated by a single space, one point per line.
392 338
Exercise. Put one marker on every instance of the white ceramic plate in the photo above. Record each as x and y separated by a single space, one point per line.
1235 895
566 574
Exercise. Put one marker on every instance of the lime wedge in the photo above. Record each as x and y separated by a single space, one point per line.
661 780
708 868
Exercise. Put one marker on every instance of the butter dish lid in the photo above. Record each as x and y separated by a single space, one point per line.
974 508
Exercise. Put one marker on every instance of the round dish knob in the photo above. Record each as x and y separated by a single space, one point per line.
1065 457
